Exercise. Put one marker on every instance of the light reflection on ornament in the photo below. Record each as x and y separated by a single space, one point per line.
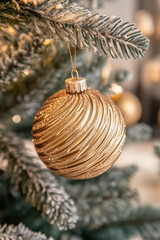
16 118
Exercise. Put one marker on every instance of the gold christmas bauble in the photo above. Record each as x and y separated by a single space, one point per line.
78 132
130 107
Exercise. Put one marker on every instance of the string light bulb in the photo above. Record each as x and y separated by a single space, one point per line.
16 118
117 91
25 72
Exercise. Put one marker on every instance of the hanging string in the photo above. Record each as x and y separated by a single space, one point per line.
71 56
73 63
75 47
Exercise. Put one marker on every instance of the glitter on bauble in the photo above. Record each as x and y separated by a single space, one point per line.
78 132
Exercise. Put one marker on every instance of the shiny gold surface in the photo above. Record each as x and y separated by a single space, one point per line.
74 85
79 136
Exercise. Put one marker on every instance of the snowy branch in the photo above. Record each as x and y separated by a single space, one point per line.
101 34
36 182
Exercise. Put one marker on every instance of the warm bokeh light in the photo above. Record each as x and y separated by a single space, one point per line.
47 42
151 77
59 6
116 88
145 22
106 72
117 91
4 48
16 118
25 72
10 30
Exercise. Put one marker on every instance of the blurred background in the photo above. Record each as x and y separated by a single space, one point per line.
145 84
146 71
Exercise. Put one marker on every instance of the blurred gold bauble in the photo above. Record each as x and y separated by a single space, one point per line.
151 77
145 22
130 107
78 132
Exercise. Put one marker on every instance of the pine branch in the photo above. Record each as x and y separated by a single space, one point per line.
88 65
34 2
138 132
23 57
141 222
121 76
101 200
70 236
14 209
20 232
37 182
28 61
89 4
101 34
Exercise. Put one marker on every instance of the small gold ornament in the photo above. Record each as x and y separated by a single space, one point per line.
130 107
78 132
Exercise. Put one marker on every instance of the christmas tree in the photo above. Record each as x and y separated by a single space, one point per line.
34 62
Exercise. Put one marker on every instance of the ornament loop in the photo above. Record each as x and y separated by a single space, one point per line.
77 75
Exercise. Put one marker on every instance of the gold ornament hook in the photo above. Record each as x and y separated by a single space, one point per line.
75 85
77 75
